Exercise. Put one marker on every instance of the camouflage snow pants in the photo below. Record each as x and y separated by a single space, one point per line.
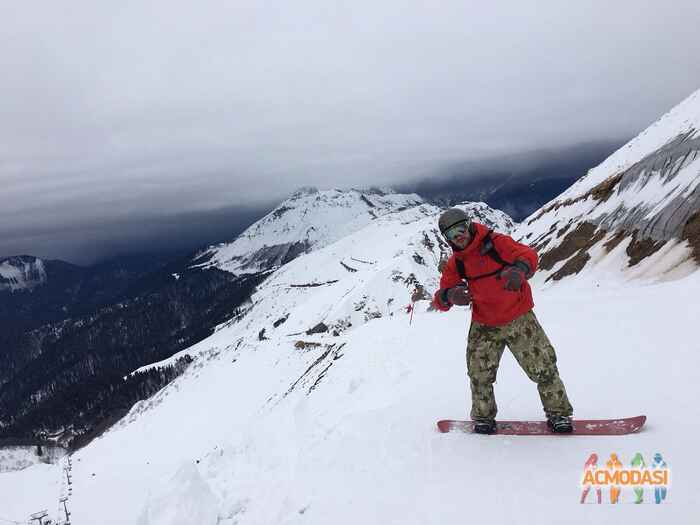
534 353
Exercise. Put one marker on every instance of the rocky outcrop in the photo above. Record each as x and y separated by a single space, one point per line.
660 218
691 234
645 197
308 220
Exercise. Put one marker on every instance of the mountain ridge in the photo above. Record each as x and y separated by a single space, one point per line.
642 202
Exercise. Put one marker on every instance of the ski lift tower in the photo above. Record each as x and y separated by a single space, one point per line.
38 517
65 508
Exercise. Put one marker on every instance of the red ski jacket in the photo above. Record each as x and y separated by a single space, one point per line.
492 305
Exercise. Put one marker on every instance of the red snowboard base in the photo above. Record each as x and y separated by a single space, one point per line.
582 427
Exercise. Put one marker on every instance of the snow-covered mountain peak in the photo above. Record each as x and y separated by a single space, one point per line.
302 191
309 219
638 211
21 272
375 190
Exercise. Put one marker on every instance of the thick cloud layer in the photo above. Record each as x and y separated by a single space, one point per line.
132 109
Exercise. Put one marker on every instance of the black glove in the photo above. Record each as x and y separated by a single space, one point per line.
515 275
458 295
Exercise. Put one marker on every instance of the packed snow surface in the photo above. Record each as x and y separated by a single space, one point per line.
263 430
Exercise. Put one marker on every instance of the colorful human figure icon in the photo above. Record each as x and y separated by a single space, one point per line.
638 463
659 464
591 464
614 464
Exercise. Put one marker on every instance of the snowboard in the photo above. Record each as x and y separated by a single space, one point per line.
582 427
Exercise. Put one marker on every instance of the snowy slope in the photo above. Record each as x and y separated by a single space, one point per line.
224 445
287 427
22 272
20 457
361 278
398 250
309 219
644 199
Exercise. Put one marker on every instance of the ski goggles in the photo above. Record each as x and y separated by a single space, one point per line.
456 230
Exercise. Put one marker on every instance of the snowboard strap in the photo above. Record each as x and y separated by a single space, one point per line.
487 248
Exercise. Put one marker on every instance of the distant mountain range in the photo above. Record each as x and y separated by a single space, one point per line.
75 334
35 291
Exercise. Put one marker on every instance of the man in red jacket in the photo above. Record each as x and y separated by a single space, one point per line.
490 271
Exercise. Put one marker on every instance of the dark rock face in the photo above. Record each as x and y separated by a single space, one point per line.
646 204
575 248
580 239
691 234
664 164
640 249
320 328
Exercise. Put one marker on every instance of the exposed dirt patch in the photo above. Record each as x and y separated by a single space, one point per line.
617 239
306 344
604 190
691 233
580 239
640 249
572 266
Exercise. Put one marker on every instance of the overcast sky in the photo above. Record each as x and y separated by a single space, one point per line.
114 112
